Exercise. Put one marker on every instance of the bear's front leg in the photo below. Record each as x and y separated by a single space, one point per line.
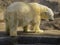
26 28
37 29
36 24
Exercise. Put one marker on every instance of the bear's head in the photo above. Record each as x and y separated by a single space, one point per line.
47 14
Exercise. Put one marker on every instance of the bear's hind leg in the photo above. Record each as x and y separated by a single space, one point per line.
13 31
13 25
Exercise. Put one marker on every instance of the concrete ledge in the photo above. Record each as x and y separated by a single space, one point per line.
38 39
37 44
29 39
6 41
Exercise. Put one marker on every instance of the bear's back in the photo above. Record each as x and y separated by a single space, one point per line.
21 6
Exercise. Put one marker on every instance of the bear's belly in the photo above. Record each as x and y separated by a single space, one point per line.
24 21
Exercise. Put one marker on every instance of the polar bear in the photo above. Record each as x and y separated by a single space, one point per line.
23 14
